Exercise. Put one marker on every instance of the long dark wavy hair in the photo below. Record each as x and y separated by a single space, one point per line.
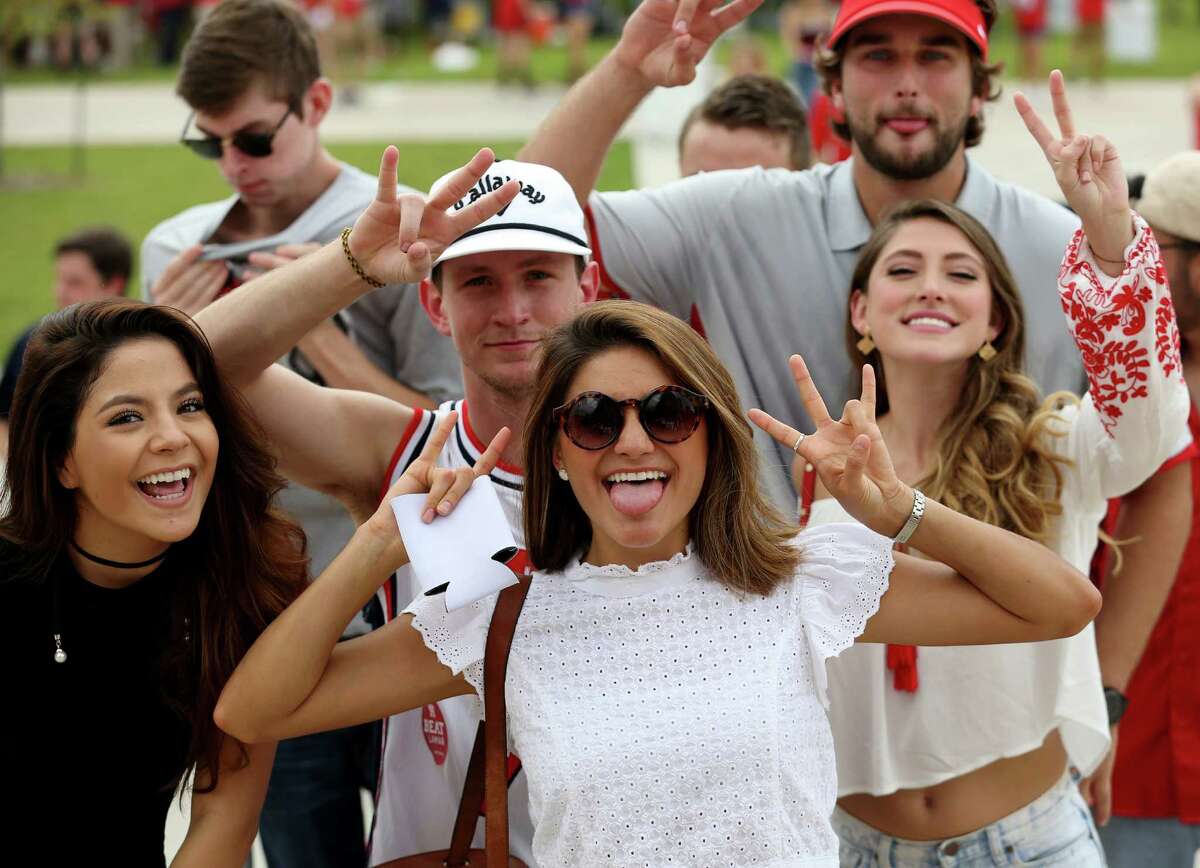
742 539
241 566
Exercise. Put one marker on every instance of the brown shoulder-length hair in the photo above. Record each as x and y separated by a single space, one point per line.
738 534
984 77
243 564
995 459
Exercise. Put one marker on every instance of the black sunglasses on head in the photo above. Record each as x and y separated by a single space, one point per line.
669 414
251 144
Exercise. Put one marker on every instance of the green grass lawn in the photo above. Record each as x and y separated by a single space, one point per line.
133 188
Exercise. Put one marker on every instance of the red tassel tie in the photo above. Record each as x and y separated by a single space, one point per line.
902 660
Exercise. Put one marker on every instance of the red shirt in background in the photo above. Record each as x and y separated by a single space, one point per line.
827 146
1030 16
1157 771
1090 11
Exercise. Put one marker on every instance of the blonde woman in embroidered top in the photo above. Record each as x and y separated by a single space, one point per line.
666 681
965 752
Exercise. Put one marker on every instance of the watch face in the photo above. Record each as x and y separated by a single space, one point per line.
1116 702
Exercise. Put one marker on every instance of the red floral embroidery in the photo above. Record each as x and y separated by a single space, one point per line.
1110 324
1166 337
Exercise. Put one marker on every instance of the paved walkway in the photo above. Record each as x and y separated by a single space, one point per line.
1148 120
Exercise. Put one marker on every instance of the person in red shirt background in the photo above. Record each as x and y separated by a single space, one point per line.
1088 46
1030 17
1156 777
827 145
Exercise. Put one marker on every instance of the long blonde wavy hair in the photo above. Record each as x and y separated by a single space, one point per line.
995 458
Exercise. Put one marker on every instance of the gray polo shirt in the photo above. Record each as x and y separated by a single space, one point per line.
424 360
766 257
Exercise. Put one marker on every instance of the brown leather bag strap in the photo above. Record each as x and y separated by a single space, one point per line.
489 756
495 720
468 807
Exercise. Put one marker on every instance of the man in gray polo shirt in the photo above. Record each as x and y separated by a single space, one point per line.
766 256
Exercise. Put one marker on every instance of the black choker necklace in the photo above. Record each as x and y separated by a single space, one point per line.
105 562
60 656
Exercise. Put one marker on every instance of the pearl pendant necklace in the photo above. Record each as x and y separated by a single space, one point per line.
60 656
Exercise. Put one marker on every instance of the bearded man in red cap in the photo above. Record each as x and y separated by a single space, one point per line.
765 257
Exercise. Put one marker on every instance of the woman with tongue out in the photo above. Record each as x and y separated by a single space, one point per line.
975 751
665 686
139 558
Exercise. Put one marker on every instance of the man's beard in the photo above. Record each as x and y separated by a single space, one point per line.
913 168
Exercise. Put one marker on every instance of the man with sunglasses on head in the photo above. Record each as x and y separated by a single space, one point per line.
496 291
252 79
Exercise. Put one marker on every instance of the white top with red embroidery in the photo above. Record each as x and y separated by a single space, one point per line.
426 751
666 719
978 704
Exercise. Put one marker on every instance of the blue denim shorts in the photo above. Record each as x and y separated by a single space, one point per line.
1055 829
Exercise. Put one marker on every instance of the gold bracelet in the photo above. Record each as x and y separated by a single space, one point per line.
358 269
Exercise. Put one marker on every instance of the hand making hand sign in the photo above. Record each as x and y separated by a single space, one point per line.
664 39
1089 173
848 454
444 485
397 238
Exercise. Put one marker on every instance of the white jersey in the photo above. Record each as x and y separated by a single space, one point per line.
425 752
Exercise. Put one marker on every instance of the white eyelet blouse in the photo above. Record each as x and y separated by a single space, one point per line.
664 719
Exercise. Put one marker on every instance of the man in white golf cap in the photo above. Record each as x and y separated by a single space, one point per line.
497 286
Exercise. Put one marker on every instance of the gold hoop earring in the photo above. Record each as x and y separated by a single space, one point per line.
987 352
865 345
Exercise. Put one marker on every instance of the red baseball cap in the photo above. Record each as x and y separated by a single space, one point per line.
963 15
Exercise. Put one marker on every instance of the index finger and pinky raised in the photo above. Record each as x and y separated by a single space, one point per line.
455 187
784 434
447 487
441 433
814 404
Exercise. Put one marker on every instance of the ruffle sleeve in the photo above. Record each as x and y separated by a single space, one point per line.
458 638
1134 416
843 573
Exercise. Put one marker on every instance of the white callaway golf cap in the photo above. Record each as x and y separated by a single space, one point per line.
544 216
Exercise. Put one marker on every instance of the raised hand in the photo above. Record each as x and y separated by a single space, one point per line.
664 40
1089 173
397 238
444 485
848 454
